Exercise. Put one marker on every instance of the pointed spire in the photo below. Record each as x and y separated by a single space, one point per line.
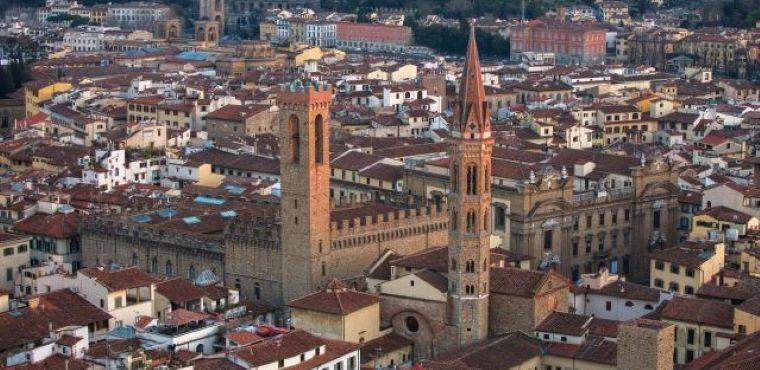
472 95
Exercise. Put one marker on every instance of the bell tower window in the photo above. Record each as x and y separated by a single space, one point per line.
295 139
319 139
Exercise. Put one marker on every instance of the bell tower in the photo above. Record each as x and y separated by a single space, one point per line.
469 202
305 184
212 10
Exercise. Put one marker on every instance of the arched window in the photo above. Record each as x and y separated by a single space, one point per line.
469 266
135 259
154 265
295 138
453 264
319 139
412 325
257 290
472 180
454 219
470 221
168 268
191 272
199 348
629 304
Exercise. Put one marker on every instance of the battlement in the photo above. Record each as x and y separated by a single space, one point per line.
299 95
385 226
153 233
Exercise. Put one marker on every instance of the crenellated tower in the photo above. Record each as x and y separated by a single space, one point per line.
469 202
305 184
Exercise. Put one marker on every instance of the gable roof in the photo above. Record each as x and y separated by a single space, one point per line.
335 299
523 283
699 311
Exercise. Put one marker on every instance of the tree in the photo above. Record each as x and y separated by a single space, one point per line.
7 84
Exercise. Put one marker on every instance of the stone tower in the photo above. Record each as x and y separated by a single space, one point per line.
305 184
469 206
212 10
646 345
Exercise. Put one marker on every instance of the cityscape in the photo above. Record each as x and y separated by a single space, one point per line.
379 184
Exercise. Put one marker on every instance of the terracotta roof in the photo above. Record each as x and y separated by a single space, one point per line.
237 113
383 171
519 282
604 328
115 280
104 348
564 323
699 311
725 214
59 308
179 290
242 337
508 351
743 355
627 290
593 350
354 160
292 344
215 364
335 299
385 344
58 226
435 279
682 256
435 259
181 316
56 361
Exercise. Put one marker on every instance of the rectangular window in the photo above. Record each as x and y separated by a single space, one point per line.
690 272
588 221
9 274
656 219
614 218
601 219
117 303
608 306
21 248
708 339
8 252
659 265
575 248
689 355
674 269
548 239
690 336
627 215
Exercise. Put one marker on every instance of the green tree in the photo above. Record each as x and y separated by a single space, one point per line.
7 84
